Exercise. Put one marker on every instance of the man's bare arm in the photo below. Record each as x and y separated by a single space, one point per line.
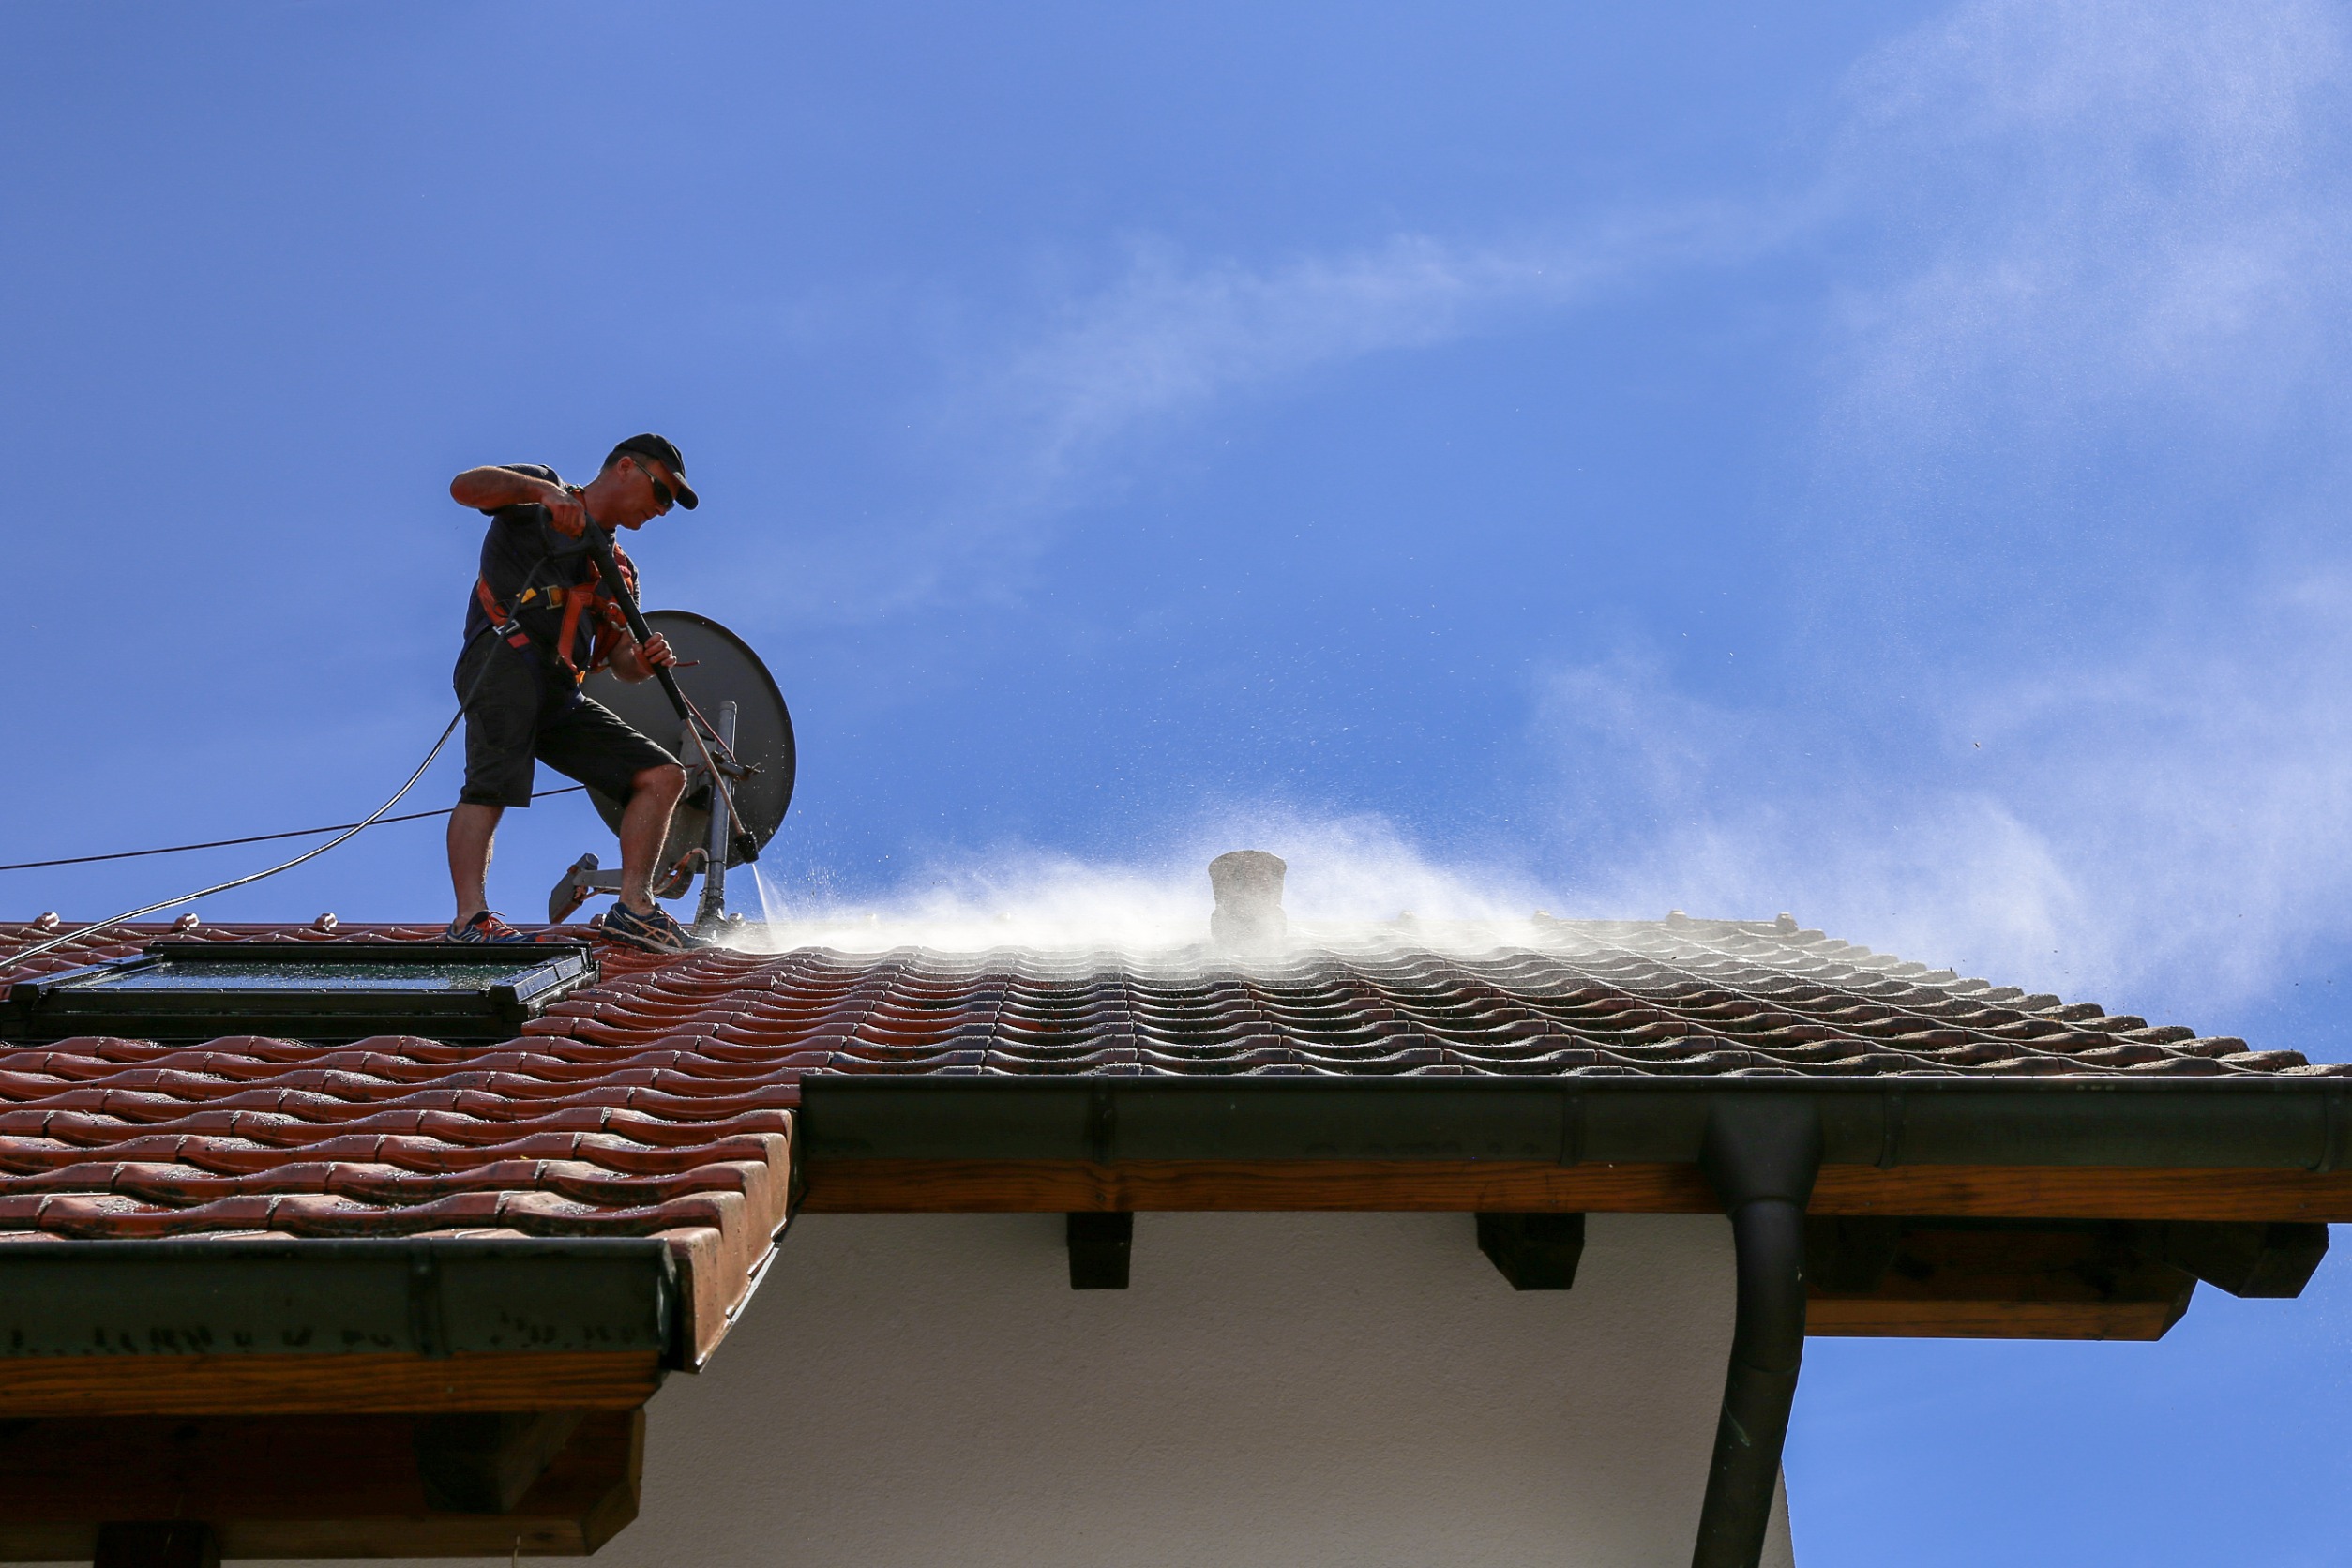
486 489
633 664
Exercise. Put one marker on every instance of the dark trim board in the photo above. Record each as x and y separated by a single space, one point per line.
2228 1122
2048 1192
1075 1186
2223 1148
279 1296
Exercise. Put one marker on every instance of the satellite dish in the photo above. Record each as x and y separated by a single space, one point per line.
716 667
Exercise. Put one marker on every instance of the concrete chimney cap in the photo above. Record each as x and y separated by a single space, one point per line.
1247 873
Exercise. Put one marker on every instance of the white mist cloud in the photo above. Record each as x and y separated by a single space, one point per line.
1346 876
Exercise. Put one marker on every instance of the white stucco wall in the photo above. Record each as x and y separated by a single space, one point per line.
1276 1391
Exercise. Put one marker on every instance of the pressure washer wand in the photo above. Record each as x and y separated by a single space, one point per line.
601 550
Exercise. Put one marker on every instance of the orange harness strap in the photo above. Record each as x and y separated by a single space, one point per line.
511 629
575 601
607 629
504 624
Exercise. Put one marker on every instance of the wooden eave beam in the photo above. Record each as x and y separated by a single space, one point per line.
1532 1251
1101 1246
1999 1279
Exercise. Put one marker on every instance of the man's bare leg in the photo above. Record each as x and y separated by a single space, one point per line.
471 829
644 824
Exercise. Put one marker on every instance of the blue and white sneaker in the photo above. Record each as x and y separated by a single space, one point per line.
488 926
653 931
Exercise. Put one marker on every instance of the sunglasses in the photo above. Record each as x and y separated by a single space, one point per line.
662 497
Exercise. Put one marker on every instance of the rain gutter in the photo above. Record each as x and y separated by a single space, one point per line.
2244 1122
197 1296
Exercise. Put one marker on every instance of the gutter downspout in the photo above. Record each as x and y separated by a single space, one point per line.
1761 1160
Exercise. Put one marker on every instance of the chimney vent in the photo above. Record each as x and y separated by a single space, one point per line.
1248 888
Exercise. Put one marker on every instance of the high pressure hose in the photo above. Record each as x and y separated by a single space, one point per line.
372 818
40 947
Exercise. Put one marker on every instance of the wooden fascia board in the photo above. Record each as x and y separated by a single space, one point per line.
327 1384
1851 1318
302 1488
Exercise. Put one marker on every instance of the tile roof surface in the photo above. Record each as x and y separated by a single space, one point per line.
657 1101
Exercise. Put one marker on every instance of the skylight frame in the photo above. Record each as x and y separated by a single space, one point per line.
519 983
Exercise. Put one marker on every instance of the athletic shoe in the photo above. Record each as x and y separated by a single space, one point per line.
654 931
486 926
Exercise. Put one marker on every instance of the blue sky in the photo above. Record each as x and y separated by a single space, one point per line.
1883 463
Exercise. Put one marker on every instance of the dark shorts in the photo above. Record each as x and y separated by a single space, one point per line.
519 715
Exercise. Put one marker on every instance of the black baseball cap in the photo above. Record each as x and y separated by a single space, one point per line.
660 449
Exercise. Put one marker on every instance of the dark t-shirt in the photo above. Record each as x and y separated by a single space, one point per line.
522 550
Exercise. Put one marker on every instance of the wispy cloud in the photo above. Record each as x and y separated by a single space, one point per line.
1168 338
2034 212
2087 209
1054 419
1027 426
2039 207
1036 423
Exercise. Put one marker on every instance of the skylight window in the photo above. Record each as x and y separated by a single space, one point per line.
328 992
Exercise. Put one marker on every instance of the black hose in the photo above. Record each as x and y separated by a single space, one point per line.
256 837
40 947
370 821
1761 1160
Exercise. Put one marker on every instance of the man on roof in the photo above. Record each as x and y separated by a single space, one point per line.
537 624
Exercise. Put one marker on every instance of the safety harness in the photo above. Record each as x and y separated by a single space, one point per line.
574 601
